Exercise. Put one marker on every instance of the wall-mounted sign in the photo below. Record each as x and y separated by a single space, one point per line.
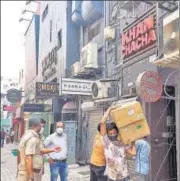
9 108
149 86
33 107
75 86
49 64
13 95
138 37
45 90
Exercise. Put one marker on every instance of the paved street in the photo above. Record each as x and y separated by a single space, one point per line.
9 167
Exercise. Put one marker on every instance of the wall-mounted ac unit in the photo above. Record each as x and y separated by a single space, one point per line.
101 90
171 33
109 33
89 56
75 68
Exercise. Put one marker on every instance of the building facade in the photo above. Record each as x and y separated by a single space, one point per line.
89 17
129 60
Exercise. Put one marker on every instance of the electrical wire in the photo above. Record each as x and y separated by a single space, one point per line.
165 84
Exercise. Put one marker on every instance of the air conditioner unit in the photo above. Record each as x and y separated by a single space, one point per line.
131 92
109 33
89 56
171 33
75 68
101 90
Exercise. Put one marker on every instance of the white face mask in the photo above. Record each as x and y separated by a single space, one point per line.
59 131
41 131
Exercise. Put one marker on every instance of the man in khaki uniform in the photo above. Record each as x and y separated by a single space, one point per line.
31 150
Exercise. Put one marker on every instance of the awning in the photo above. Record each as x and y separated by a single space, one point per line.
172 61
123 101
88 106
69 107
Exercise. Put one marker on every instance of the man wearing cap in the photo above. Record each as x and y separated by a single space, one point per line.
31 151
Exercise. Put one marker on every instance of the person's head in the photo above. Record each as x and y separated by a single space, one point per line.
112 131
43 123
35 124
59 127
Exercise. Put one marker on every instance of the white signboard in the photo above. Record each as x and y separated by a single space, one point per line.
75 86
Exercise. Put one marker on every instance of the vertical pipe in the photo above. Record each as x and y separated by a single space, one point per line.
178 117
105 43
178 128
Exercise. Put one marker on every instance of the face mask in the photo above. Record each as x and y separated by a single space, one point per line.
113 137
59 131
41 131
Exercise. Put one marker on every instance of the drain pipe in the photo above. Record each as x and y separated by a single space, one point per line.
178 116
105 42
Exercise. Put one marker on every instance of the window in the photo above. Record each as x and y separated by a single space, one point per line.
93 32
45 12
60 38
50 37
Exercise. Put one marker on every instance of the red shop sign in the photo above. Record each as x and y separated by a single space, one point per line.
9 108
138 37
149 86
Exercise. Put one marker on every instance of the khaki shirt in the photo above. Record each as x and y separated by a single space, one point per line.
30 144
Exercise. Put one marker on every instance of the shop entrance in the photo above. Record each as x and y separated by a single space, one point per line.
163 156
171 115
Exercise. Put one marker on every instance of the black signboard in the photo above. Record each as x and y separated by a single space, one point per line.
13 95
46 90
33 108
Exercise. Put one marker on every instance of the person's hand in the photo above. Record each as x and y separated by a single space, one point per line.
110 109
57 149
50 160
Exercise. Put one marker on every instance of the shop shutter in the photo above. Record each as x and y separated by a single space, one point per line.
94 117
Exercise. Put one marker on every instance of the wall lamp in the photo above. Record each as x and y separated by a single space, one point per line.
24 11
28 2
24 19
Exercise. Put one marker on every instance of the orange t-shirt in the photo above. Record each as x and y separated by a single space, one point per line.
97 156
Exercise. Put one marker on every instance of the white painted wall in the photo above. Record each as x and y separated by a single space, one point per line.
56 12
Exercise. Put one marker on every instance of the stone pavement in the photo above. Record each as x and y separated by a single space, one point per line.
9 167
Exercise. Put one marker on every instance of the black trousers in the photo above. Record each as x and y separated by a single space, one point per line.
97 173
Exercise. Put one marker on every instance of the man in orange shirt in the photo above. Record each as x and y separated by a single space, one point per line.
98 160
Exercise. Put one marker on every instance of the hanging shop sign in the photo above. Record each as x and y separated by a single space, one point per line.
13 95
139 37
149 86
9 108
46 90
75 86
33 107
49 64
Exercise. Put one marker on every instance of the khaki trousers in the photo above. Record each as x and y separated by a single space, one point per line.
22 176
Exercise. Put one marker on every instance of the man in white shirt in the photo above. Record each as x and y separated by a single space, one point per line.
58 161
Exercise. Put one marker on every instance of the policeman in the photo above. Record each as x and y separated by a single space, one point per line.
31 150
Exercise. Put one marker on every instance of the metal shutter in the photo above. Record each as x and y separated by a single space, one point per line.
94 117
